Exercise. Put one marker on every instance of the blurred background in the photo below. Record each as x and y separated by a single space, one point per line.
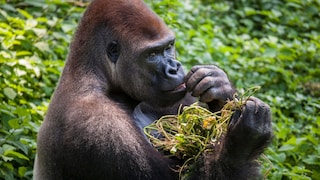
274 44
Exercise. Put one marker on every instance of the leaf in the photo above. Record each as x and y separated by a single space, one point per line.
6 147
39 32
31 23
14 123
312 160
13 153
42 46
173 150
6 159
249 11
10 93
270 52
21 111
23 53
21 146
8 165
287 147
281 157
22 171
287 51
7 7
68 27
25 13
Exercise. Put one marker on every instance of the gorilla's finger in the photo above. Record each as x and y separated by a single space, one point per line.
196 77
221 94
194 69
205 84
191 72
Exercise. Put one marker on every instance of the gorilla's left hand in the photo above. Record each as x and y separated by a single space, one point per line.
211 84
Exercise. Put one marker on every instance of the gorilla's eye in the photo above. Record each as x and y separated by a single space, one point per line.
152 54
170 46
113 51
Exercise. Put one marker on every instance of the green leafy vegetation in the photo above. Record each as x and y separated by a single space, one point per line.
274 44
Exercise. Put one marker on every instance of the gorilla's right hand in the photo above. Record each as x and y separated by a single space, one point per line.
210 84
249 132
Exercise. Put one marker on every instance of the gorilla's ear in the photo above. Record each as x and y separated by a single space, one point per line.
113 51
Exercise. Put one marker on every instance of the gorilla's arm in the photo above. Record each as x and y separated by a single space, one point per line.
249 132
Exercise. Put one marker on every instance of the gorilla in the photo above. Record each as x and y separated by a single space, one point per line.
122 74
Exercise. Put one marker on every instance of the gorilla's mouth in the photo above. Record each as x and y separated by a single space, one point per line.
180 87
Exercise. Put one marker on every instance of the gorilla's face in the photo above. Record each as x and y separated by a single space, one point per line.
166 75
149 72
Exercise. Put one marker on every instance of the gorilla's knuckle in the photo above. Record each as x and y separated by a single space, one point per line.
256 118
228 92
195 68
209 95
221 73
205 72
256 104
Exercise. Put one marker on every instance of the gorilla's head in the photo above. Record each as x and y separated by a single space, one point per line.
136 50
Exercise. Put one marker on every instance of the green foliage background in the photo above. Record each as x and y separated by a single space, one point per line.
271 43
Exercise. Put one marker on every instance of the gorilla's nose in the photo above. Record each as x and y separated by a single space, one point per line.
172 67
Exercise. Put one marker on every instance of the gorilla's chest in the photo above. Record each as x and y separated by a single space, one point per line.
143 116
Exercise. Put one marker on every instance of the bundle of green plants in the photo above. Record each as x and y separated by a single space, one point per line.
193 130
